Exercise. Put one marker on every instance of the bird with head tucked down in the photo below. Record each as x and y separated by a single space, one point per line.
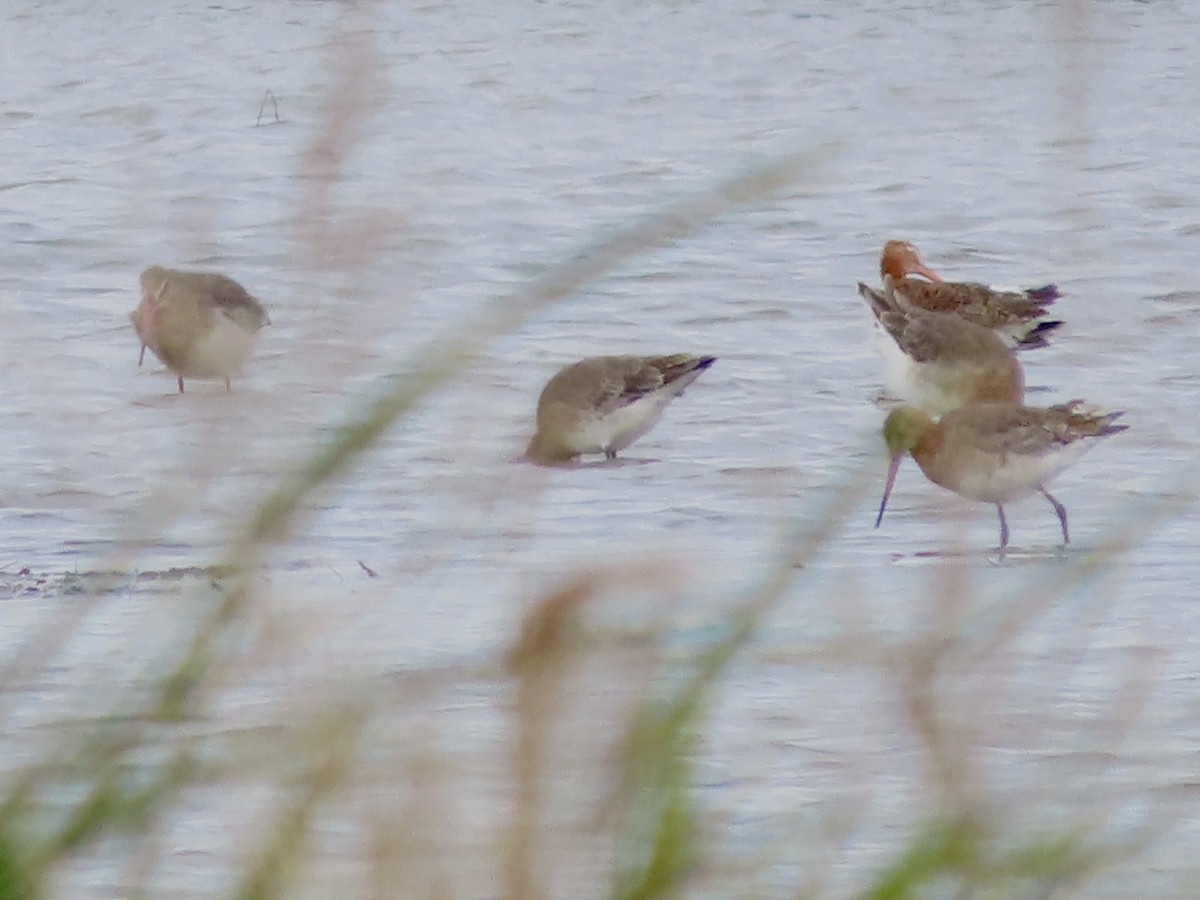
200 324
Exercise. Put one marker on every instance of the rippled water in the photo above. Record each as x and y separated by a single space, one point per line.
1013 142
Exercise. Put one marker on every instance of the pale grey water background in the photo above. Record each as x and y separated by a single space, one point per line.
1014 142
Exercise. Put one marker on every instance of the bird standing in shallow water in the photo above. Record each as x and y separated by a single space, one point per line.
995 452
1018 317
200 324
938 361
604 403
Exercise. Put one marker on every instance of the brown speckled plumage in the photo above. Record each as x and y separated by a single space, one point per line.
1018 316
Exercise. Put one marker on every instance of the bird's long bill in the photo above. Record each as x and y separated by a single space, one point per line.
922 269
887 488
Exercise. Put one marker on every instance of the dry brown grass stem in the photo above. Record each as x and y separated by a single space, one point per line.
331 743
550 645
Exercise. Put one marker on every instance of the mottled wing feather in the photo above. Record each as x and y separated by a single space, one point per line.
633 384
1018 430
916 342
677 365
601 384
975 302
1027 430
920 337
884 308
606 383
929 336
924 335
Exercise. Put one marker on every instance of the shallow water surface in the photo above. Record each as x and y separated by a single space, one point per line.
431 159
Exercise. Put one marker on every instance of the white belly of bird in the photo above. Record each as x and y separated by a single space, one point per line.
897 366
1017 474
621 427
911 381
221 353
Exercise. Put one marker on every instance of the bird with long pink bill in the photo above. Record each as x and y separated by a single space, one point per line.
1019 317
995 452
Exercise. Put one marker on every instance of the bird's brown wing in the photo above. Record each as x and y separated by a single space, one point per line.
975 302
1003 429
234 301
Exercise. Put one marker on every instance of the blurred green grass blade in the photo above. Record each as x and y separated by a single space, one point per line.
943 848
16 880
658 844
